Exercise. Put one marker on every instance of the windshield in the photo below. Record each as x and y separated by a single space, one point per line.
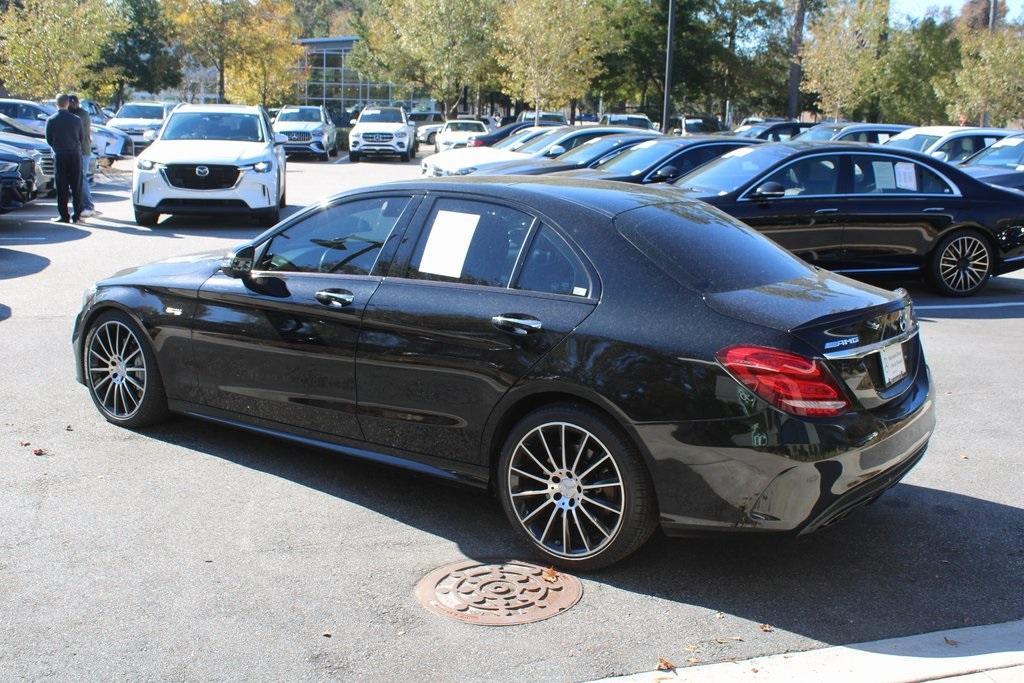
633 121
141 111
516 140
542 141
749 131
420 116
466 126
639 158
916 142
1008 152
305 114
819 133
213 126
381 116
733 169
592 150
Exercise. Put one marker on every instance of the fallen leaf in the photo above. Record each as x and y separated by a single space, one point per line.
327 634
692 648
24 443
68 429
719 615
665 665
950 641
38 451
767 628
549 575
692 660
964 457
754 670
723 641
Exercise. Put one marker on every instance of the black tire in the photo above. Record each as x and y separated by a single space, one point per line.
326 156
405 156
271 217
603 535
430 138
353 157
961 264
150 403
146 218
334 149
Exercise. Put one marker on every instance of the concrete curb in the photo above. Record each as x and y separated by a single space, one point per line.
911 659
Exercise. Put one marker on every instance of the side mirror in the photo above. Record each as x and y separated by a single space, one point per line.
352 122
150 135
666 173
280 138
941 156
238 262
770 190
555 151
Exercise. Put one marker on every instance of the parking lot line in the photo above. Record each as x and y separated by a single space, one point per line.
996 304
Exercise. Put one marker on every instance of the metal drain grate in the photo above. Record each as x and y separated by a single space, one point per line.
502 594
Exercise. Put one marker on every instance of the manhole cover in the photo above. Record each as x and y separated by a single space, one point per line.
500 594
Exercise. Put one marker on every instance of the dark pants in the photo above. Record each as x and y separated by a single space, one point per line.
68 178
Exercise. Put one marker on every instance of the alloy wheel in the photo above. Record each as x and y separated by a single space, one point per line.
566 490
964 263
116 368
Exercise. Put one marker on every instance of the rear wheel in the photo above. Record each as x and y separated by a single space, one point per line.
146 218
575 488
960 264
353 157
121 372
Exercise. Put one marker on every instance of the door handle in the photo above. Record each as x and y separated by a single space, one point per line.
821 211
516 324
334 297
933 209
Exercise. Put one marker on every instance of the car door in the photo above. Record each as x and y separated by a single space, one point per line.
895 209
805 220
483 292
280 344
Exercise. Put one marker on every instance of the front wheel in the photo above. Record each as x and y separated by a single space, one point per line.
270 218
146 218
575 488
121 372
960 264
353 157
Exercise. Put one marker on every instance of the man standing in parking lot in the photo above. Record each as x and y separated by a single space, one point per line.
64 136
88 208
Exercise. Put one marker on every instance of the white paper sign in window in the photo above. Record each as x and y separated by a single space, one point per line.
448 243
906 176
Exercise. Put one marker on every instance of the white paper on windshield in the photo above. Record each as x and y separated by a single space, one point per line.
645 145
739 152
448 243
1009 142
371 111
906 176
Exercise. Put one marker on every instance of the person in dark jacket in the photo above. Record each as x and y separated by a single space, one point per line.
64 136
88 208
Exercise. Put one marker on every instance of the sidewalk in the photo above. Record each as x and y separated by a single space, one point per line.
979 654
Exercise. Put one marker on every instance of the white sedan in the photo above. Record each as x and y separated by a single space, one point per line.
456 134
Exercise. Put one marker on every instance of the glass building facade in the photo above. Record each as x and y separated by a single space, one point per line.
332 83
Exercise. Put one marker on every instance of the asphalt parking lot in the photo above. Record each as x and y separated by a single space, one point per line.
192 551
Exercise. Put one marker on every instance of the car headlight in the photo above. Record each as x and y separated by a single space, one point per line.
318 132
262 166
146 164
353 135
401 135
8 166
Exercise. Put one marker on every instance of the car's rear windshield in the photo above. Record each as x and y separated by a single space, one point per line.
705 249
594 149
638 158
305 114
141 111
380 116
213 126
917 142
467 126
820 133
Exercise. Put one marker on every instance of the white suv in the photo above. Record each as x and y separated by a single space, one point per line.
382 131
212 159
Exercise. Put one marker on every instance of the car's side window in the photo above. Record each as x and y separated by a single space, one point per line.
470 242
551 266
8 109
343 239
808 177
691 159
885 175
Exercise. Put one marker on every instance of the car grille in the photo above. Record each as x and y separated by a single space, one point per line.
377 137
46 164
27 169
298 136
185 176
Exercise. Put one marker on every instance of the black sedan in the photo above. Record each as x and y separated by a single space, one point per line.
858 209
1001 164
661 159
591 153
500 334
17 178
499 134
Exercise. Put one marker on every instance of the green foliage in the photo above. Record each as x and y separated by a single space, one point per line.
918 60
264 70
991 78
49 45
210 31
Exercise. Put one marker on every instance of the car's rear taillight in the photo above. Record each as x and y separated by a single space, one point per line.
474 143
791 382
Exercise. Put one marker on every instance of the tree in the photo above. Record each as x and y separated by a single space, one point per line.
841 60
322 18
918 60
974 14
265 69
551 50
139 55
208 30
991 78
49 44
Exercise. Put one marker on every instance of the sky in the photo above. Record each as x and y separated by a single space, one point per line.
917 8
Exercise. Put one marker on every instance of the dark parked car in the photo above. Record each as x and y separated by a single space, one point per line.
511 345
17 178
662 159
875 133
505 131
773 131
1001 164
858 209
591 153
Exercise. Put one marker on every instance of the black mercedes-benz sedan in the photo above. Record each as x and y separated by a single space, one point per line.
661 159
858 209
605 358
590 154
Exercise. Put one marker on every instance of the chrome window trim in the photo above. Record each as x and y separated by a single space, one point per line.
956 189
862 351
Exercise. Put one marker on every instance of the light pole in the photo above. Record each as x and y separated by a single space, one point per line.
666 102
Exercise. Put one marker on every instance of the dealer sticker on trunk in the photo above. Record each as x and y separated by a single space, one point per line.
893 366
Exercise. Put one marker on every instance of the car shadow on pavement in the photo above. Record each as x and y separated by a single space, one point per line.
5 312
15 264
917 560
